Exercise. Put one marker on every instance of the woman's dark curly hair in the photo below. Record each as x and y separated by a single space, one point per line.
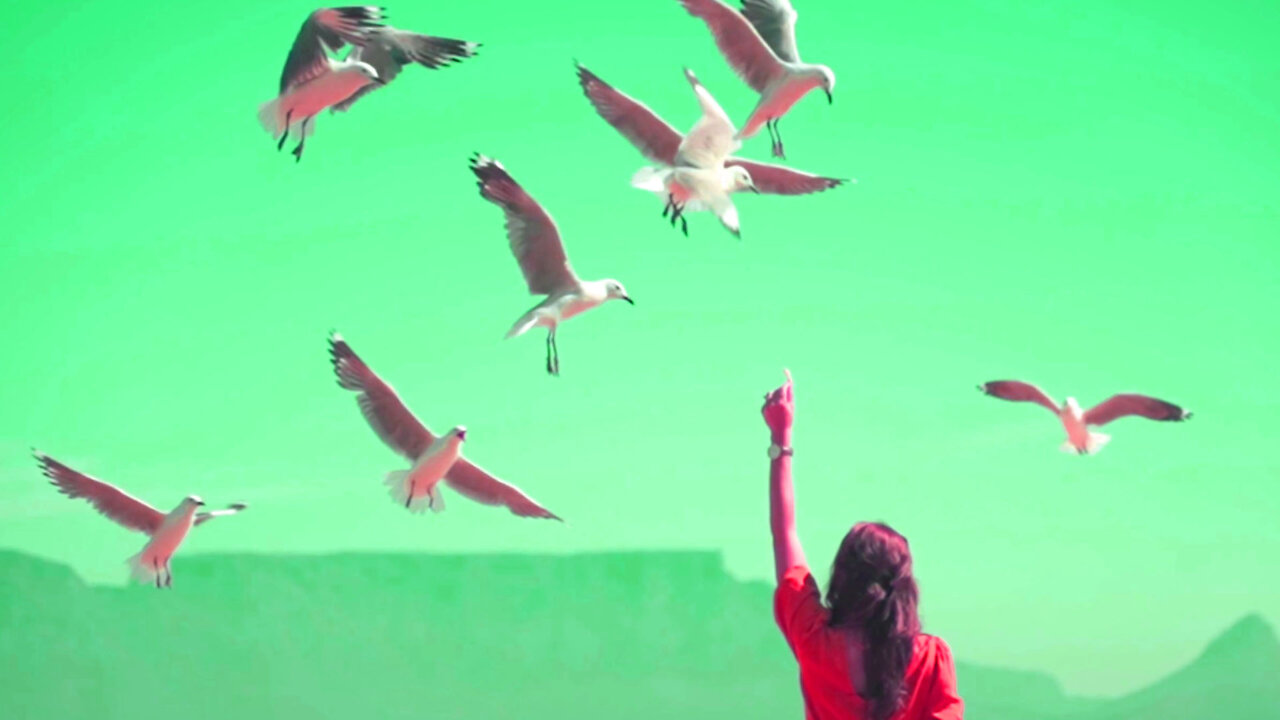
873 592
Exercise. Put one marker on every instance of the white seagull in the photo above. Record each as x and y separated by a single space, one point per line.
760 45
536 243
167 531
659 142
1080 440
434 458
313 81
699 179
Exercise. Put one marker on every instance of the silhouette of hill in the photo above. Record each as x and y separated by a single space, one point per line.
622 635
1237 676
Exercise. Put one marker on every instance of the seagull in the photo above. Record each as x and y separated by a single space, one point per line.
659 142
1080 440
700 178
313 81
536 243
434 458
167 531
388 50
760 44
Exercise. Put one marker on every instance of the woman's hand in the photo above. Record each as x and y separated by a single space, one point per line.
779 411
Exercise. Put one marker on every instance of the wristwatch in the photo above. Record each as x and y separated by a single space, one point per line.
776 451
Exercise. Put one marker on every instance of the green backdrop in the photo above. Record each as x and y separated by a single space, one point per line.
1078 194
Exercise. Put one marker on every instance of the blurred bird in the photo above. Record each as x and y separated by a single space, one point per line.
536 243
313 81
699 179
661 143
167 531
760 45
434 458
1080 440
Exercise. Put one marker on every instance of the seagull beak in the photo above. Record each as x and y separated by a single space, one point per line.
830 100
754 189
628 299
462 434
200 503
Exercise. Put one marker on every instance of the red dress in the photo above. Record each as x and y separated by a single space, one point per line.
823 654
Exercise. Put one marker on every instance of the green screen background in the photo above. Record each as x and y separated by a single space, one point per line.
1075 194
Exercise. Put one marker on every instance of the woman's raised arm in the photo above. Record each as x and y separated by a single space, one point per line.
779 411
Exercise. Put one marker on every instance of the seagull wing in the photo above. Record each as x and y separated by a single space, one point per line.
473 482
775 20
379 404
741 45
533 236
1016 391
326 30
711 139
232 509
389 50
1118 406
779 180
107 499
427 50
651 135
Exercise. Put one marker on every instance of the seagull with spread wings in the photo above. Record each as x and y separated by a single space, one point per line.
313 80
760 45
661 143
1081 440
434 458
700 180
167 531
535 241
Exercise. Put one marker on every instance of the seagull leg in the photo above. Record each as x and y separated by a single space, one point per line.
168 575
553 353
155 564
297 152
287 116
684 225
669 206
777 151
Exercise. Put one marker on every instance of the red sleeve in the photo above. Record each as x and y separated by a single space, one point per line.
944 701
797 606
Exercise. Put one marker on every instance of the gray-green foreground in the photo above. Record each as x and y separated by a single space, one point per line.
619 636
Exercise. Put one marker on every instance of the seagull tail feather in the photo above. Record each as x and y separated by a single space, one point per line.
141 571
522 325
397 482
651 179
269 116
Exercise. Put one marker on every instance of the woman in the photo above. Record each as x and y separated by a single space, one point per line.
862 655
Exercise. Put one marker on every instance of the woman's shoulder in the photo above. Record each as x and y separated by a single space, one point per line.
931 648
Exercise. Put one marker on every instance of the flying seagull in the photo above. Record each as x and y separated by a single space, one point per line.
535 242
434 458
699 179
312 80
1080 440
167 531
660 143
760 45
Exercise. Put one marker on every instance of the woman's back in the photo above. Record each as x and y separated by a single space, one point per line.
825 653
